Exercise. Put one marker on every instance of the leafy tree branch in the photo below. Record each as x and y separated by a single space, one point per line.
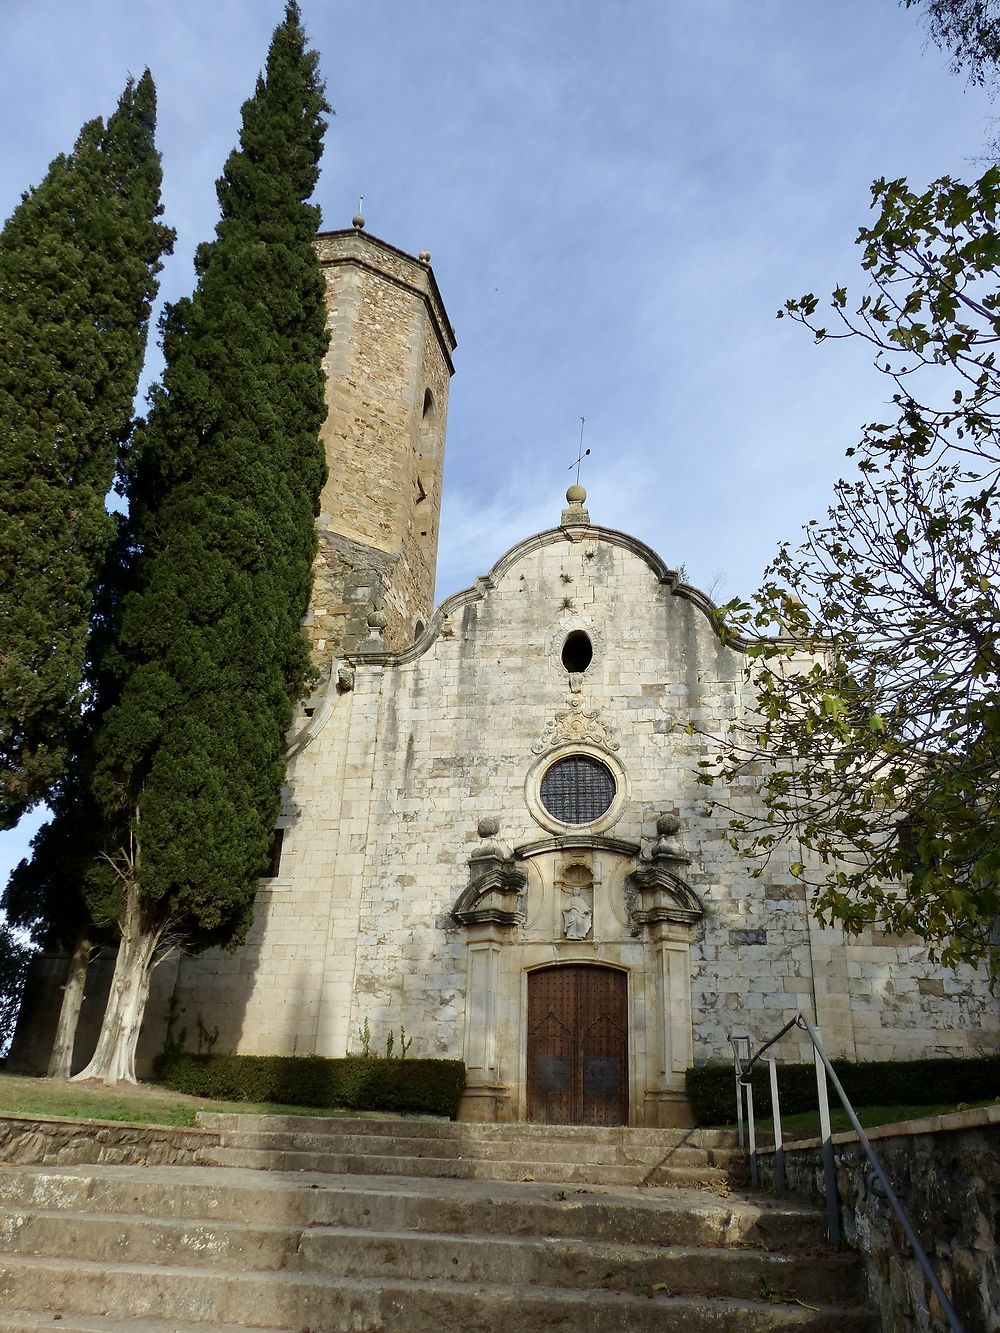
874 645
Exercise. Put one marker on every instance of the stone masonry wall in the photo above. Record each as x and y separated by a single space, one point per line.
393 775
906 1007
947 1172
50 1141
388 371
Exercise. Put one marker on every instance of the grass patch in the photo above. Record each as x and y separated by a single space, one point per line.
147 1104
143 1104
805 1124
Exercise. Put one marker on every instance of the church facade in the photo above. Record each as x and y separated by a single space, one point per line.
492 838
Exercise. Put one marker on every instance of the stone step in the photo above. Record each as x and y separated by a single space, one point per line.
438 1127
22 1321
578 1264
394 1204
467 1168
606 1153
362 1253
282 1300
133 1238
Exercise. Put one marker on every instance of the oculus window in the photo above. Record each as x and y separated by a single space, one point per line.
578 789
578 651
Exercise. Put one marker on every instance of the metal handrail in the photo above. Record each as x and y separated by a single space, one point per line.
824 1071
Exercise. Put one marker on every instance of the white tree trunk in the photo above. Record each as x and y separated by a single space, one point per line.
61 1059
114 1059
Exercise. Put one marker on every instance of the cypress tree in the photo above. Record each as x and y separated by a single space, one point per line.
223 482
14 959
45 896
59 895
78 264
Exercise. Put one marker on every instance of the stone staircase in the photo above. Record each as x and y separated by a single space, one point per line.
558 1154
380 1225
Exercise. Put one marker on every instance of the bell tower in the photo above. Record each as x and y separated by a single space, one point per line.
387 377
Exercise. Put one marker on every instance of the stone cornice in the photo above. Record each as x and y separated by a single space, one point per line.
354 242
664 897
492 898
576 842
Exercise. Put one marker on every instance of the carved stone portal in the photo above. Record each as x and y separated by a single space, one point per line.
657 894
494 894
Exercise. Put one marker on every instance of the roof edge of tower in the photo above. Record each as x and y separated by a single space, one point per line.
363 239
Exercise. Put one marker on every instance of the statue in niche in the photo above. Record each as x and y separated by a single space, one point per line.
577 884
578 919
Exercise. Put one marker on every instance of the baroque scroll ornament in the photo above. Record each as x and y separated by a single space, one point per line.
579 725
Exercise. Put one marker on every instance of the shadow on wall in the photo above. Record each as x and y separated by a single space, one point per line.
195 1004
218 1001
40 1005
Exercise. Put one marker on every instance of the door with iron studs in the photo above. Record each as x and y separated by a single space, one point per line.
578 1045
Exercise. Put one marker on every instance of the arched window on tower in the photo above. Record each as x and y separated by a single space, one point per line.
425 458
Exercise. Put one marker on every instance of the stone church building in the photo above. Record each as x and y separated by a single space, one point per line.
492 836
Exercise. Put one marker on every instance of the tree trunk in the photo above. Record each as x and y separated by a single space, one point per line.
61 1059
114 1059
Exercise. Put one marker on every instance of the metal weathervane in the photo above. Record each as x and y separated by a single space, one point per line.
584 453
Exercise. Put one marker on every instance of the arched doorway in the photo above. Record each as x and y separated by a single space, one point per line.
578 1045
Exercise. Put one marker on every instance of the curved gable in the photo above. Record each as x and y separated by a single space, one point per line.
453 606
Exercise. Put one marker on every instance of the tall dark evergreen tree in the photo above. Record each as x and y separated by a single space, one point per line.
45 896
223 483
59 895
14 958
78 264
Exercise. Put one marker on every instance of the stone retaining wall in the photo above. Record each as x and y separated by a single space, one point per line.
946 1170
29 1141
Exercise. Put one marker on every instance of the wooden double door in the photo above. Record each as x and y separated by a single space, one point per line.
578 1045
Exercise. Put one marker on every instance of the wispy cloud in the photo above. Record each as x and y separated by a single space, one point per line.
617 199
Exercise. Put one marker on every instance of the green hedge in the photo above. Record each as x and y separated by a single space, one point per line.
712 1093
433 1087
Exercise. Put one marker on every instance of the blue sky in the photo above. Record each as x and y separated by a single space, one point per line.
617 199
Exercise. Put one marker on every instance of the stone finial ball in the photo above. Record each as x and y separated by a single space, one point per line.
377 620
667 826
424 256
489 826
576 494
357 221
